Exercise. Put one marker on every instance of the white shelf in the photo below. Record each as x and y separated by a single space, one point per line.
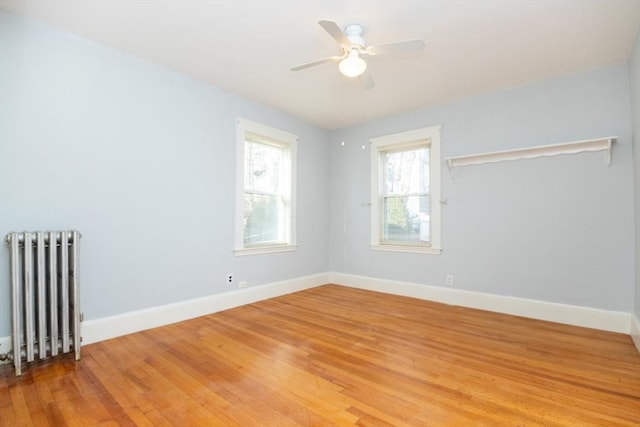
600 144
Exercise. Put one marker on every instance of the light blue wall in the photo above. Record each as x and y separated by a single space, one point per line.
555 229
634 83
141 160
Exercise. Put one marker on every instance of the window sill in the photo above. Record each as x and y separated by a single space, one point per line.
407 249
264 250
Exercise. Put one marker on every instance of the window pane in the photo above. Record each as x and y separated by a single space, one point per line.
406 219
263 167
262 218
406 171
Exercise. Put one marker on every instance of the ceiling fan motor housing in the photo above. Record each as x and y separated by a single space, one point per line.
353 32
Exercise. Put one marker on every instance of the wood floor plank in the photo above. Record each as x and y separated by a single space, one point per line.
331 356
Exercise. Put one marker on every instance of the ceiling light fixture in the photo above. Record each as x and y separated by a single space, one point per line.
352 65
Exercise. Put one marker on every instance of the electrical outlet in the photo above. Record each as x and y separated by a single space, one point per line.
242 284
229 278
449 280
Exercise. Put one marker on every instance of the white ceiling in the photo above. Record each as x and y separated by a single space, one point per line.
248 47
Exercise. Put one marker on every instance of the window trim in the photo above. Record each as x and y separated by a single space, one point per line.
271 136
400 141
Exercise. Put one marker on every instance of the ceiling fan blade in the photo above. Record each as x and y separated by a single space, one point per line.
396 47
318 62
366 80
335 32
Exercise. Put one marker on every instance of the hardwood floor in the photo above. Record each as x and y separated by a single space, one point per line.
338 356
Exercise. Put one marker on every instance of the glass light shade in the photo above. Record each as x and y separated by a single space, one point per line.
352 65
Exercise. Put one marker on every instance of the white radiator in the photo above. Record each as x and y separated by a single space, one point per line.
45 295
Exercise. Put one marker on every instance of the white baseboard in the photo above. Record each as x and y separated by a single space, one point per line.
127 323
123 324
635 331
614 321
135 321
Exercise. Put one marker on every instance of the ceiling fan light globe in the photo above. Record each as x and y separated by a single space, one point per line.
352 66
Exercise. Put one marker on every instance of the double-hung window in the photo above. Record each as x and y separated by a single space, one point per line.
405 191
265 189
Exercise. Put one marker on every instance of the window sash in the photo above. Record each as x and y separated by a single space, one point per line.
413 178
412 227
274 229
281 178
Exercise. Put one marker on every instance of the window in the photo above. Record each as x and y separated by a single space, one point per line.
405 191
265 189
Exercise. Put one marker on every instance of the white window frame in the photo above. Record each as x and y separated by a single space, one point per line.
431 136
271 136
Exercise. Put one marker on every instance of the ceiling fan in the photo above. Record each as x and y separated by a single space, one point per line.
354 48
